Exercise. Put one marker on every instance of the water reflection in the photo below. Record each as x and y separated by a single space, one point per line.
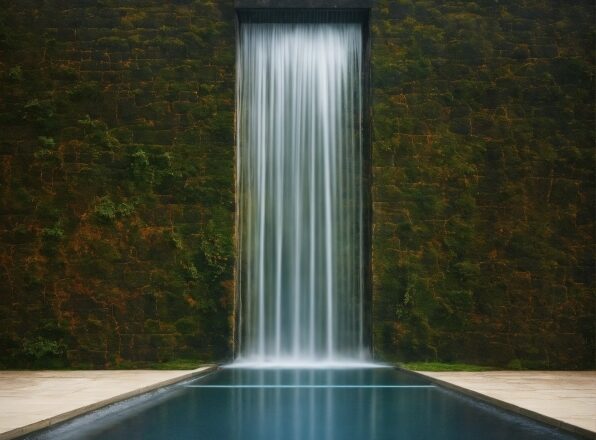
313 404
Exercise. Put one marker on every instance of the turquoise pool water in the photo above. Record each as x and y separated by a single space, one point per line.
369 403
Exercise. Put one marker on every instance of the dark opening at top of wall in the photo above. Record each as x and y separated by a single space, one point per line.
297 11
303 4
301 11
294 15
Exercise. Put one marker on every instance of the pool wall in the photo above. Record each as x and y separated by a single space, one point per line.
117 122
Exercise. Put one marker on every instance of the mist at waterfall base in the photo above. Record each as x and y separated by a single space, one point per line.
300 229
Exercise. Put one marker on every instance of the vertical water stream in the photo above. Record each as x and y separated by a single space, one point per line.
300 275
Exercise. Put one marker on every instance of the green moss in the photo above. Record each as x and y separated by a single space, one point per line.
139 166
46 157
55 233
186 325
85 91
112 42
64 72
46 142
40 112
106 211
168 43
152 326
39 348
15 73
173 364
441 366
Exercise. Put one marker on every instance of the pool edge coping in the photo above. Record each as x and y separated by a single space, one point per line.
557 423
63 417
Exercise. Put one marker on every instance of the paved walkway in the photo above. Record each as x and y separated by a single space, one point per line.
565 398
31 400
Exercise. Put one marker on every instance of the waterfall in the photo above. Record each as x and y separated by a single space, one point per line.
300 226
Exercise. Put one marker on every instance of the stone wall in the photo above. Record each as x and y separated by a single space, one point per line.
483 171
116 181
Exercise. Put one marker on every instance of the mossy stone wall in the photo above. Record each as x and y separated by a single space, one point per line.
483 182
116 181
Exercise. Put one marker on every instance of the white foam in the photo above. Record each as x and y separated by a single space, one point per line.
304 364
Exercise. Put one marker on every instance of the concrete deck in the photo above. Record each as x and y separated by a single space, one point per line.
562 398
32 400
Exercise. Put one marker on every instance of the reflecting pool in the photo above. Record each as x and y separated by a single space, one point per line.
370 403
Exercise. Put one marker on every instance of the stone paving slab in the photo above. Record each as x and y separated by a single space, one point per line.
563 398
32 400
